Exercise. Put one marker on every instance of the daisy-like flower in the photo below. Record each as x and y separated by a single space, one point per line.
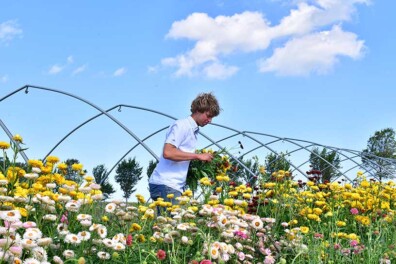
102 231
10 216
31 261
31 176
103 255
84 235
68 254
81 217
57 260
257 223
73 206
39 253
28 243
119 246
33 233
108 242
222 221
36 170
72 239
214 252
51 185
50 217
110 207
45 241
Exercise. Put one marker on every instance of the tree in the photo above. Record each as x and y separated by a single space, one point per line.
99 173
327 163
239 174
72 174
128 175
150 168
275 162
380 153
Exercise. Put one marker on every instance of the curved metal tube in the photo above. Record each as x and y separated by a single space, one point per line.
92 105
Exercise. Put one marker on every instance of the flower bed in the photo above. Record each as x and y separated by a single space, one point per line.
46 218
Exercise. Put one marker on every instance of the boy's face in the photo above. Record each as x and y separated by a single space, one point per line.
203 119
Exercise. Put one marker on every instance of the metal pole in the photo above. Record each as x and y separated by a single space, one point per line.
16 143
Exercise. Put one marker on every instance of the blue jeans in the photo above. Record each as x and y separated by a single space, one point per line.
162 191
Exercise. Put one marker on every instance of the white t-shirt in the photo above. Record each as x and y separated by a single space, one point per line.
183 135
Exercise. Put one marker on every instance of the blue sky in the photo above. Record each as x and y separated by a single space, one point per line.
321 71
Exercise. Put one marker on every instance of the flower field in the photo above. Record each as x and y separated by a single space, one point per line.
45 218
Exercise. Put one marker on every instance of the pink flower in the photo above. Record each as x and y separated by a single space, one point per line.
353 243
354 211
241 255
129 240
161 254
64 218
337 246
205 261
269 260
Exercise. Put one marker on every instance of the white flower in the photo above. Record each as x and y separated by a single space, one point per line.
118 246
85 190
39 253
45 241
84 235
102 231
31 261
72 239
3 182
36 170
28 243
57 260
33 233
110 207
108 242
51 185
86 222
103 255
84 217
64 198
73 206
31 176
257 223
49 217
214 252
10 216
68 253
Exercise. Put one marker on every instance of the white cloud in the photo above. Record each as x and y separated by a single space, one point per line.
4 79
9 30
219 71
55 69
222 36
79 70
314 53
120 72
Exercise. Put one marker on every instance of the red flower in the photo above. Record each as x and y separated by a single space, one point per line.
129 240
161 255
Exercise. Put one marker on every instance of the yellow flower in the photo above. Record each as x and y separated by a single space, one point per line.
105 218
229 202
365 184
62 166
135 227
4 145
52 159
219 189
188 193
141 238
17 138
247 195
170 195
340 223
304 229
77 166
35 163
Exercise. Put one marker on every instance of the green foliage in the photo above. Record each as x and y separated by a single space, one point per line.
128 175
151 167
380 148
241 175
72 174
275 162
327 162
99 173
